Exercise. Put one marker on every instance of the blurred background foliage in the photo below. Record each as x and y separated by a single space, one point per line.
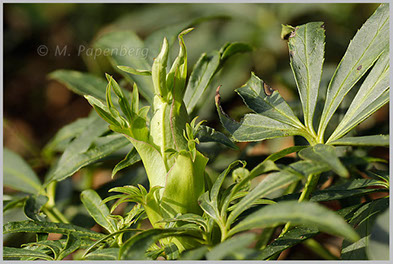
35 108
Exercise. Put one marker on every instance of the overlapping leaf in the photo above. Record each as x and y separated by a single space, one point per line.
365 48
306 51
18 174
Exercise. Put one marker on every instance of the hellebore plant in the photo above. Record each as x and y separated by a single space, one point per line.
199 216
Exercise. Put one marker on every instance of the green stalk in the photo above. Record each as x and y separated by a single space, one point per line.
50 209
316 247
311 183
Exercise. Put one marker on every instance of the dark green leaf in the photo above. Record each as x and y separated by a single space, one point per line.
368 44
99 211
72 244
135 248
49 227
375 140
9 252
104 254
131 158
201 76
208 134
194 254
372 95
33 207
326 154
81 83
228 247
260 98
18 174
378 247
305 213
231 49
294 236
71 161
67 133
306 50
363 219
269 184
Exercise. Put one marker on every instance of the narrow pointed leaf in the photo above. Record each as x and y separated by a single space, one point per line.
99 211
135 247
128 49
365 48
262 99
208 134
294 236
363 219
49 227
254 127
326 154
305 213
306 50
64 136
372 95
268 185
135 71
131 158
176 77
9 252
375 140
72 244
122 99
200 78
72 161
33 207
81 83
18 174
228 247
230 49
104 254
159 70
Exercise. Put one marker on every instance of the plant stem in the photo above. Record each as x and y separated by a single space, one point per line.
55 215
50 209
311 183
317 248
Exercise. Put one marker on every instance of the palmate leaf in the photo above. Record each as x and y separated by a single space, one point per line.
372 95
99 211
18 174
305 213
274 117
260 98
365 48
306 50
